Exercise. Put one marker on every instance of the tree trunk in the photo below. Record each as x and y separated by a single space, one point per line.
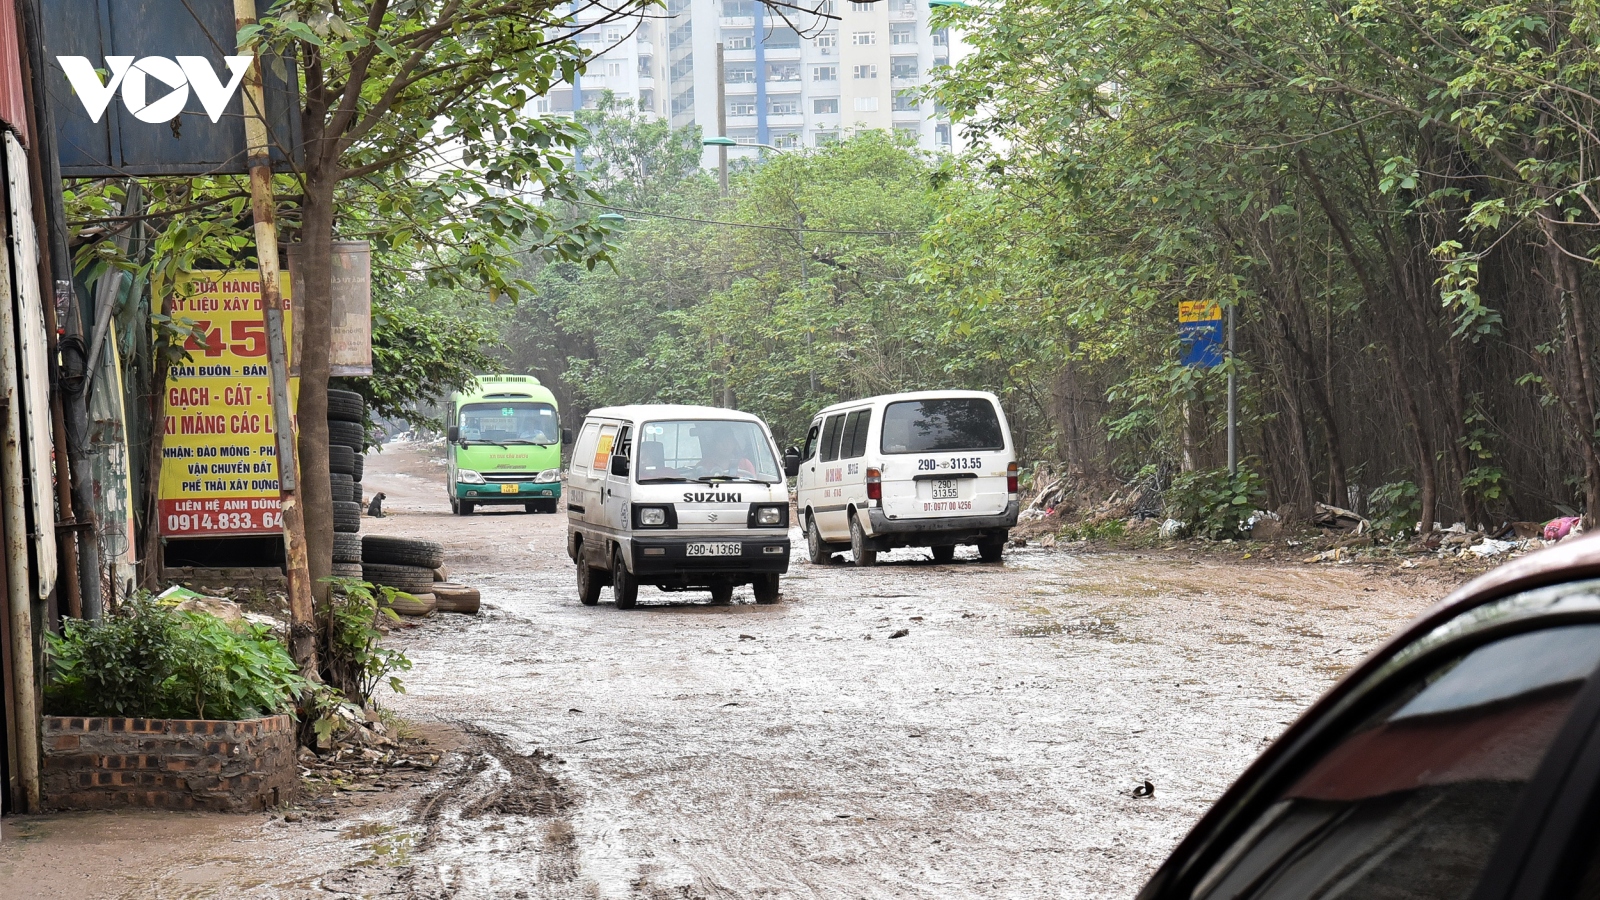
314 307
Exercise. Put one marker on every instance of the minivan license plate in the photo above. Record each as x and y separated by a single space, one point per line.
945 489
715 549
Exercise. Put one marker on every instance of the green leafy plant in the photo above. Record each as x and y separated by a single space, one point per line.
354 661
1104 530
154 661
1213 504
1394 507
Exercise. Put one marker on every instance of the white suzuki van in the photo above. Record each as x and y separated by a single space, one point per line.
927 469
680 497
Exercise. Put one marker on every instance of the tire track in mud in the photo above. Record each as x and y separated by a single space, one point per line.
496 826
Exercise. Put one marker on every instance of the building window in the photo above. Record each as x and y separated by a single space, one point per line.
866 104
825 8
941 38
861 7
783 39
738 42
784 140
740 75
647 100
941 135
744 139
862 73
542 105
825 73
908 135
783 71
824 138
827 106
903 67
786 107
864 38
644 66
734 9
741 108
900 35
826 42
613 35
614 69
905 101
683 102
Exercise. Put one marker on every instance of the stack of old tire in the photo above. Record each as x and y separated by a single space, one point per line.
346 412
415 567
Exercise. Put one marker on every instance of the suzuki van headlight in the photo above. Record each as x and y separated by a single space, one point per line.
467 476
652 516
769 515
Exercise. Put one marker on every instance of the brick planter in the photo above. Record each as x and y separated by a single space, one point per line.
106 763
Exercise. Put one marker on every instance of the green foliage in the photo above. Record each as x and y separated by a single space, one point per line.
1213 504
1394 507
354 661
1103 530
152 661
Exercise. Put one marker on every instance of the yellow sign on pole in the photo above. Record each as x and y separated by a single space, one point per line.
219 459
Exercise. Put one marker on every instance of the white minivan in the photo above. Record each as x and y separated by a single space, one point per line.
680 497
926 469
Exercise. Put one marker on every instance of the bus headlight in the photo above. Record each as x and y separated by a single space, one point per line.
467 476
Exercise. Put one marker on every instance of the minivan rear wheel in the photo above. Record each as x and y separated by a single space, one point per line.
817 549
990 551
623 586
589 583
944 553
864 554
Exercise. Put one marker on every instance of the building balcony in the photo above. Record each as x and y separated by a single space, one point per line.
741 121
737 21
900 83
646 82
782 53
740 88
790 120
784 87
902 14
738 55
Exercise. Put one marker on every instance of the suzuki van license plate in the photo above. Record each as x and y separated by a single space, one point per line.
734 549
509 488
946 489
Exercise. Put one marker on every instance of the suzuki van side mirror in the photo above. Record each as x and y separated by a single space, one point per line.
453 434
619 466
791 462
566 435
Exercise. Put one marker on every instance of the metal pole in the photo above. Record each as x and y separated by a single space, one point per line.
302 643
1233 403
722 121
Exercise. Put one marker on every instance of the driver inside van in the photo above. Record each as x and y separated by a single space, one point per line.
721 454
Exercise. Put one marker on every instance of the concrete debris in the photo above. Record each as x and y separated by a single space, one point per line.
1172 528
1340 519
1490 547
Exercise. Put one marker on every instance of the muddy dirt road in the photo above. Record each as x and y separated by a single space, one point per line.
801 750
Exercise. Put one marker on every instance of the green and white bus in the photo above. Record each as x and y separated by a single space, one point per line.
505 445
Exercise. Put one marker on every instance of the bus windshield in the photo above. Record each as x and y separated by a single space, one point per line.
509 422
705 450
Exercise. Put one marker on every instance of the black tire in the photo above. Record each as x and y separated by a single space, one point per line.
944 553
548 507
589 584
348 434
355 493
991 551
864 555
532 506
340 486
347 570
465 507
456 598
624 589
819 551
722 594
347 549
766 588
341 460
360 465
346 516
346 406
383 548
411 579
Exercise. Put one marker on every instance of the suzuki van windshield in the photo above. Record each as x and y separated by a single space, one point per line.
509 422
944 425
708 451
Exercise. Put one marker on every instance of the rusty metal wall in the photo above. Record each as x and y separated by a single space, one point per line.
13 108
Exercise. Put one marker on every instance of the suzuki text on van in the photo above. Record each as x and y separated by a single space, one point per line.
505 445
928 469
680 497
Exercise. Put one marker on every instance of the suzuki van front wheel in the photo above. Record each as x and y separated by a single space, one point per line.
589 584
864 554
623 586
766 588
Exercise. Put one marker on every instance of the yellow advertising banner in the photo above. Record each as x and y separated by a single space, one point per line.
219 462
1199 311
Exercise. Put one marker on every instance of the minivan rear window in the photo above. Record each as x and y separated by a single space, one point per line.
942 425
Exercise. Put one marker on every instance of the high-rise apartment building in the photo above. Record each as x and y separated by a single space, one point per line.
788 85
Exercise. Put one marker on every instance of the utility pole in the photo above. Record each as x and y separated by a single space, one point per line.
722 121
1233 401
302 629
